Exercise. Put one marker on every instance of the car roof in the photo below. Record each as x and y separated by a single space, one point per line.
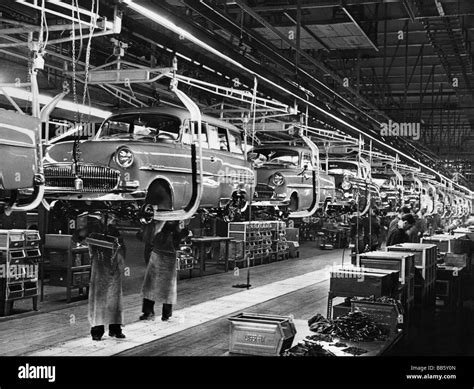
181 113
280 146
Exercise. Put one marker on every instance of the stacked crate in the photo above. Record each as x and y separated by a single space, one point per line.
403 262
19 258
280 246
263 240
446 243
425 274
354 281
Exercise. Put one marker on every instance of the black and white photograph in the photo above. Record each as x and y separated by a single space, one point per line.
240 192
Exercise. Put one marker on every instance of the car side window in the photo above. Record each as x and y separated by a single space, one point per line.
223 141
307 160
187 134
204 136
218 138
213 137
235 143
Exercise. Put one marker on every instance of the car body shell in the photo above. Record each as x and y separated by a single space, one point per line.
298 180
358 184
164 162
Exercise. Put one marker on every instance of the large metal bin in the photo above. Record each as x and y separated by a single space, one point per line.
425 254
403 262
456 244
364 282
256 334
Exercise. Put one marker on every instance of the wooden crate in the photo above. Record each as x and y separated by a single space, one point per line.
363 282
403 262
458 260
446 243
425 294
425 254
341 309
387 316
425 275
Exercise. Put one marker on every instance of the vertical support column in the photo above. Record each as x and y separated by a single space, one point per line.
298 34
384 88
406 76
420 109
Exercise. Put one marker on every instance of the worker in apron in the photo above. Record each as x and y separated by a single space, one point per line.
161 278
105 292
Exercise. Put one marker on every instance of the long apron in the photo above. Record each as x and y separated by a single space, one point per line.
105 291
161 279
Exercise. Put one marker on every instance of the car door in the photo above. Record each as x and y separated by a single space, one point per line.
239 169
213 166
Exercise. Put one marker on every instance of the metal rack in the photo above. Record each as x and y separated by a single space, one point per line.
19 258
68 265
263 240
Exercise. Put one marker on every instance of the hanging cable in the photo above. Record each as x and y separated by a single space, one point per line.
78 12
75 156
88 54
43 27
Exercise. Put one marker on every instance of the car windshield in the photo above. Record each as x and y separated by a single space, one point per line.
149 126
280 156
342 168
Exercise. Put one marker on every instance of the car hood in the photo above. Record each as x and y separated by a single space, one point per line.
90 151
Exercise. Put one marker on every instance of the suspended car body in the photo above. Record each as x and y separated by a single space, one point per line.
144 156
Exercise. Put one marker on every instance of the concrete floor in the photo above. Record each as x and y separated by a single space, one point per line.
58 322
199 326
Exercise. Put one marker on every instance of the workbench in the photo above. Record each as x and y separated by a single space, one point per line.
203 245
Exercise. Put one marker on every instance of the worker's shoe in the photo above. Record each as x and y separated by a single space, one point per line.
119 335
147 316
166 312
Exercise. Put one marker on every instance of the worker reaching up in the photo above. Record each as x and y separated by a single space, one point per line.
160 283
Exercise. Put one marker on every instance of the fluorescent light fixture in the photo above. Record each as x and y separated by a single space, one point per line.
180 31
63 104
184 57
208 68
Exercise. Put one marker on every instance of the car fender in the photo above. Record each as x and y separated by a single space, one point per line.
168 181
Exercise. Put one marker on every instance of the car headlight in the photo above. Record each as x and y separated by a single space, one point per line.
383 195
124 157
346 185
278 179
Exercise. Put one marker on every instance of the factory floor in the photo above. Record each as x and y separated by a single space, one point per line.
199 325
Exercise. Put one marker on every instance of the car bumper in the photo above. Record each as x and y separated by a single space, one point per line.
56 194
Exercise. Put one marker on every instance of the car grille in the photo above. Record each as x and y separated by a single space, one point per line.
95 178
263 192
